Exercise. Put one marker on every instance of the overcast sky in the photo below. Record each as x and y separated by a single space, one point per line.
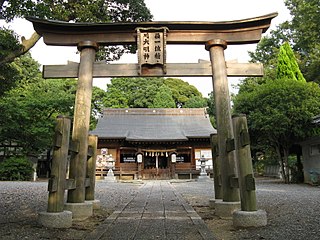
176 10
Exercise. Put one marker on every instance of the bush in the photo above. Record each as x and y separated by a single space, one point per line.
16 168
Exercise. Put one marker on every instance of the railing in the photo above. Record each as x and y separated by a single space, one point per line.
119 172
152 173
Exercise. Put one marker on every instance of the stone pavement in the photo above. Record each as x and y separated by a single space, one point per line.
156 212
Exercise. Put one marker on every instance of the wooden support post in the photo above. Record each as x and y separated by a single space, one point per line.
81 121
173 170
59 165
246 179
91 168
223 115
139 171
216 166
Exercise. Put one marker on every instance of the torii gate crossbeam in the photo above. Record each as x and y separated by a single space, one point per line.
233 32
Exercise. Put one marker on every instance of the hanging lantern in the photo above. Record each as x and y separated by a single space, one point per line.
173 158
139 158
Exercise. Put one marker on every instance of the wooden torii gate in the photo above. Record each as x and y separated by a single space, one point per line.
152 38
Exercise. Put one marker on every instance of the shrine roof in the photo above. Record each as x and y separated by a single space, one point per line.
72 33
154 124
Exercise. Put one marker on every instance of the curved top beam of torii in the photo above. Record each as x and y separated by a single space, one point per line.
233 32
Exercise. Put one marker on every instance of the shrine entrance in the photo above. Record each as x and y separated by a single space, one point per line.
156 167
151 39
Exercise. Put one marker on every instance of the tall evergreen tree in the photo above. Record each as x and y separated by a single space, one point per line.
288 67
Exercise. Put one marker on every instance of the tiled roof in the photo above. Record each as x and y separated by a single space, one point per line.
154 124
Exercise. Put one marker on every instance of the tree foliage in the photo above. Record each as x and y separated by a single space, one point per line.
287 67
29 110
78 11
181 91
163 98
9 72
96 105
131 92
305 27
141 92
280 113
305 24
279 108
303 34
211 109
196 102
16 169
280 105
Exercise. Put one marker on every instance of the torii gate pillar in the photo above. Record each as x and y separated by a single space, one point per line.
230 192
80 129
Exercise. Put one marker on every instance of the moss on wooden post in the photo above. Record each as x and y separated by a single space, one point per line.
223 115
246 178
82 112
57 180
91 167
216 166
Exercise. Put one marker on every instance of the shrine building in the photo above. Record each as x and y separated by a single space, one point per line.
153 143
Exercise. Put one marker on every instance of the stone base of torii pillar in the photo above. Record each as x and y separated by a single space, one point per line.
55 219
225 210
245 219
80 211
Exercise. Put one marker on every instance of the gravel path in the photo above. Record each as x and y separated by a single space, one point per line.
293 210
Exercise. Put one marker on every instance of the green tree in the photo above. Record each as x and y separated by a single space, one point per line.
163 98
211 110
132 92
279 114
16 169
305 24
287 67
29 113
181 90
196 102
29 110
140 92
279 107
303 34
268 48
11 73
96 105
76 11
